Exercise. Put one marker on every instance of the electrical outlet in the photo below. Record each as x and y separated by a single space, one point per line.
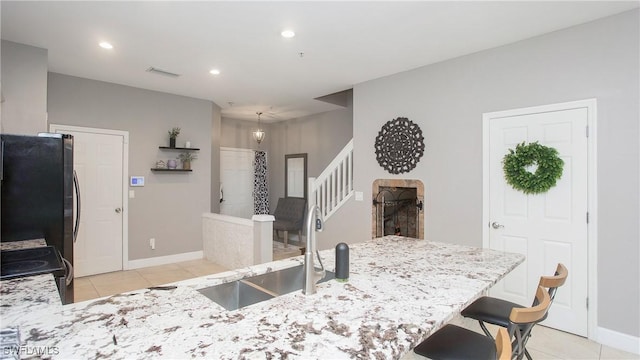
152 243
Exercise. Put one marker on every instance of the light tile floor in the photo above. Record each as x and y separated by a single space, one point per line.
545 343
95 286
550 344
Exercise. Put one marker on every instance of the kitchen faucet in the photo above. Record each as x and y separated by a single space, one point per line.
311 276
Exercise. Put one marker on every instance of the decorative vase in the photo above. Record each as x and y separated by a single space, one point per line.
186 164
171 164
172 142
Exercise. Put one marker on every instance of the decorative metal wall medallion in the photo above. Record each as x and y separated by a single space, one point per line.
399 145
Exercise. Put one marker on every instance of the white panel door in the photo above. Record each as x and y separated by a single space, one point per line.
548 228
236 182
98 162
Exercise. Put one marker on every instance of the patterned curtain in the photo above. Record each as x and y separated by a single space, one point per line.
260 188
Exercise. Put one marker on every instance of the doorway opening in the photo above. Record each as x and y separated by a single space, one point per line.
101 161
550 227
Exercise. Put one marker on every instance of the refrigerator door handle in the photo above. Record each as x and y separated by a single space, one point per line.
76 185
69 272
2 161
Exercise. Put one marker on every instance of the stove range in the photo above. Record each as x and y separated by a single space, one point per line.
29 262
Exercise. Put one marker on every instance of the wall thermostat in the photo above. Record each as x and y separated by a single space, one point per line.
137 181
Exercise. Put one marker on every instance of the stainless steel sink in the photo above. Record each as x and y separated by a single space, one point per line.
235 295
285 281
238 294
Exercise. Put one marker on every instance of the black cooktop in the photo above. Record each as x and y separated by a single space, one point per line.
28 262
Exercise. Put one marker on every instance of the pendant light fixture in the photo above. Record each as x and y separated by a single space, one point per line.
258 135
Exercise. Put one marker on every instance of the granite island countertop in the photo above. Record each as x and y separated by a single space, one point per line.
400 290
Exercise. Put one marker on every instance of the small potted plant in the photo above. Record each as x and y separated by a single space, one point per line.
186 158
173 134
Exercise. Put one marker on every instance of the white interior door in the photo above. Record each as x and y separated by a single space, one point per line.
98 161
236 182
548 228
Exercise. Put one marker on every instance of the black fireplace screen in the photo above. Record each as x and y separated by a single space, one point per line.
397 211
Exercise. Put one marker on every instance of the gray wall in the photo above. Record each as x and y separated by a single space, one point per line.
169 206
321 136
239 134
24 89
595 60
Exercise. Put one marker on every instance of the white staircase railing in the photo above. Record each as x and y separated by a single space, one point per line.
334 186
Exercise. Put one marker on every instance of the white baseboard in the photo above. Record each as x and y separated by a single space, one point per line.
163 260
618 340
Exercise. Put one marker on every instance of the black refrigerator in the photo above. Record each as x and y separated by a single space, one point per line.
38 184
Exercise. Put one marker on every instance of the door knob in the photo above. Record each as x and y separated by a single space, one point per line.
118 210
495 225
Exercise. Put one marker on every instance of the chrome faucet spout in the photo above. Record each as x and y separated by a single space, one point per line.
314 224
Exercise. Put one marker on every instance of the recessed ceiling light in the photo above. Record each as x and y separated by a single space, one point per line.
214 72
288 34
106 45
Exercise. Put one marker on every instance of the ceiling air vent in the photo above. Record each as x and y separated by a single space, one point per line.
161 72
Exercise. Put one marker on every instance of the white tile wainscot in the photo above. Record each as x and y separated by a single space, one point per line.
235 242
400 290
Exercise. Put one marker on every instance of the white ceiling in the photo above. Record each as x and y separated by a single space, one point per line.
344 43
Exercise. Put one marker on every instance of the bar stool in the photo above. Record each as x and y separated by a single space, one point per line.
455 342
496 311
503 345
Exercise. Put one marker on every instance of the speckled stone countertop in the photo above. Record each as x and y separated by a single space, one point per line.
400 290
26 294
17 245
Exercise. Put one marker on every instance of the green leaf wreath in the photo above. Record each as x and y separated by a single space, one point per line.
549 169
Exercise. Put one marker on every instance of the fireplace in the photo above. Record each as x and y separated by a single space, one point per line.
397 208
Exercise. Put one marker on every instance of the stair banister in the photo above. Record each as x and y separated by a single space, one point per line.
334 186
